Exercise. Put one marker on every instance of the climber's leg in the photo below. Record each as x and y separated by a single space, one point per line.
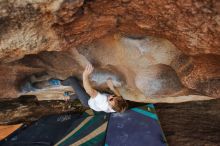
41 84
79 90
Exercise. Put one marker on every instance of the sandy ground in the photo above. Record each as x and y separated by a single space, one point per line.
8 129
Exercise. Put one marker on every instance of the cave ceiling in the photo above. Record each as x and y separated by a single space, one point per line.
156 48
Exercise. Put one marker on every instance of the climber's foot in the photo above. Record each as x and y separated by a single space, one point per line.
54 82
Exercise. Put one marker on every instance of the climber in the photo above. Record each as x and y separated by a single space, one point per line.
92 98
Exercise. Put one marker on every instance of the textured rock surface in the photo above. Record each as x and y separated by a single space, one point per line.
133 62
32 26
148 65
11 78
26 28
28 109
190 25
192 123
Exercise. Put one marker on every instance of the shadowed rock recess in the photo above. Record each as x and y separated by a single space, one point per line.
154 51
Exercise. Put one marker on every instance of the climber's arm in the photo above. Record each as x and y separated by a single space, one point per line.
112 88
86 84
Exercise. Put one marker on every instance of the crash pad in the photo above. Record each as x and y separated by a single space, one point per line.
137 126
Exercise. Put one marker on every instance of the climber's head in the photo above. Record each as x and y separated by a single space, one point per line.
117 103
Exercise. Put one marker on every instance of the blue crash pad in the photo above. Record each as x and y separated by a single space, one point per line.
136 127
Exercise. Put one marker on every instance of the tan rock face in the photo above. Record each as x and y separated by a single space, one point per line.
148 67
26 29
156 48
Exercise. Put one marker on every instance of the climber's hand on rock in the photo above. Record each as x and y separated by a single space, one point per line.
88 70
110 84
